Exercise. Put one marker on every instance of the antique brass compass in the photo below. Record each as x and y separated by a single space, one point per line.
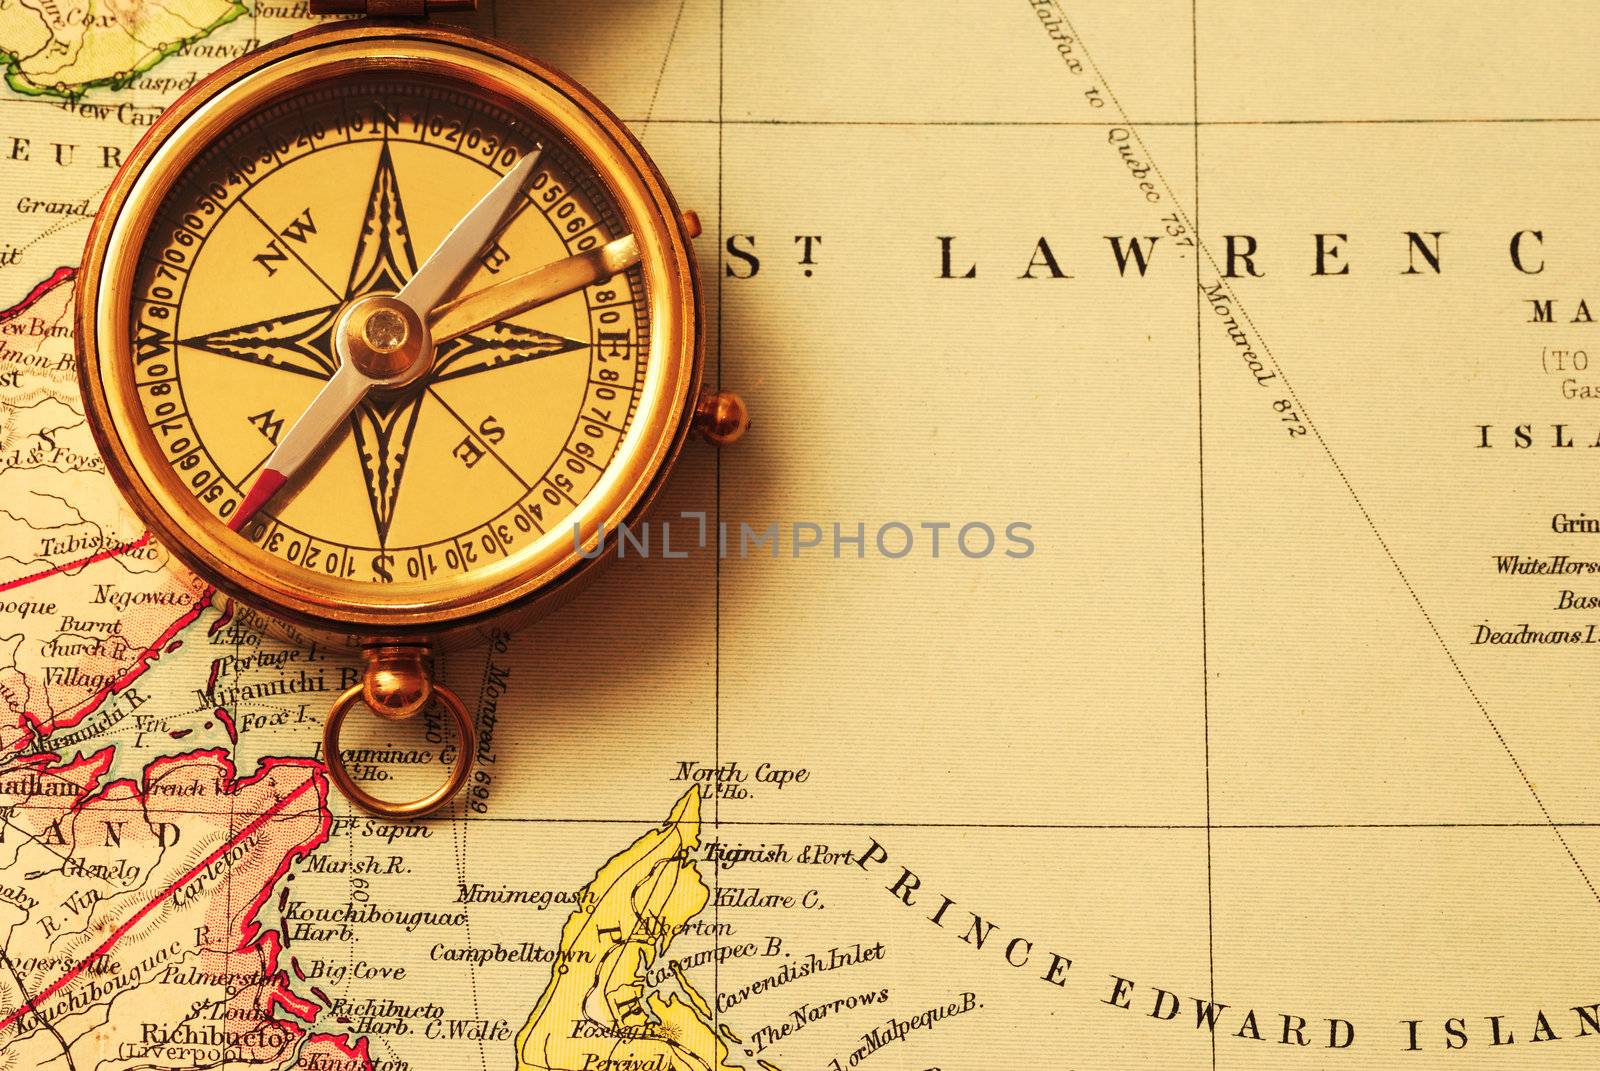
380 329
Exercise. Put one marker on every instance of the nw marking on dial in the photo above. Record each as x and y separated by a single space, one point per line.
302 343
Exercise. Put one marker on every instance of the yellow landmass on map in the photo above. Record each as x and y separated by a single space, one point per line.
66 47
598 1013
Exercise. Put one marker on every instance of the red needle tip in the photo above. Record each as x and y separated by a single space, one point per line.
269 483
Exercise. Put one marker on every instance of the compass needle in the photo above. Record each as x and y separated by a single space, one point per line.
459 252
539 287
328 412
370 340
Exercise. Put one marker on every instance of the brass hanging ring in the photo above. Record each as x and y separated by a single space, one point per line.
467 748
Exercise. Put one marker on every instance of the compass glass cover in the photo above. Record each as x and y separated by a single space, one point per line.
340 190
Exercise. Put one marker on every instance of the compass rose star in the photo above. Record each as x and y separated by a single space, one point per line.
301 342
384 257
383 430
497 346
384 424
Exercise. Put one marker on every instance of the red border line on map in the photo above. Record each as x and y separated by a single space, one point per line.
60 723
117 935
61 275
104 555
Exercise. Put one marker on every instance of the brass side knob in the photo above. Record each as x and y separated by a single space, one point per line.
722 418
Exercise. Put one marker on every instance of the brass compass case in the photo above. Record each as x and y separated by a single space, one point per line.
462 375
531 571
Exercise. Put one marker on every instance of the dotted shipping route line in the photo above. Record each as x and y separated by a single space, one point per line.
1203 248
81 563
460 830
661 75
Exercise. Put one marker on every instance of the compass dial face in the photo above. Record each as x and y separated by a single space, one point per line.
342 191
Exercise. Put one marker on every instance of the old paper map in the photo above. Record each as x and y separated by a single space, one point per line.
1148 625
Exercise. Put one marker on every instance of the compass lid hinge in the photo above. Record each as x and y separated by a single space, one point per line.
390 8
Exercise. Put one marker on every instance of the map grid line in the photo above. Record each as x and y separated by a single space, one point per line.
510 824
1020 827
716 619
1183 124
1305 416
1200 452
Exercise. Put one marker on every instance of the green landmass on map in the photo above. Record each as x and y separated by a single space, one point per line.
64 48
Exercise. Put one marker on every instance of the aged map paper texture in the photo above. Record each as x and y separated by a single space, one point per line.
1149 623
